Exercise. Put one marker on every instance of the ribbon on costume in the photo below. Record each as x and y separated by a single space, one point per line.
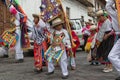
51 54
9 38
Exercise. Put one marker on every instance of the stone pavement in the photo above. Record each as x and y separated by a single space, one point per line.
24 71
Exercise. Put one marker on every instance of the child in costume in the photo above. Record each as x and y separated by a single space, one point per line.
40 45
92 40
86 33
77 44
62 35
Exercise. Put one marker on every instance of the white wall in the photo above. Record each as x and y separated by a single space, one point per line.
76 9
30 7
95 3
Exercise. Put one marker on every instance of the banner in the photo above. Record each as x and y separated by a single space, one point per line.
51 54
51 9
9 38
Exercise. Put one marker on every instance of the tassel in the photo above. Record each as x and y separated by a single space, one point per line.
13 10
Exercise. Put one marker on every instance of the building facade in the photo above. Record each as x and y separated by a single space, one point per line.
4 18
74 8
98 5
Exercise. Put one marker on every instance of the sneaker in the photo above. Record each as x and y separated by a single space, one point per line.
5 56
98 63
91 63
107 70
50 73
111 70
118 78
72 68
65 77
20 61
57 65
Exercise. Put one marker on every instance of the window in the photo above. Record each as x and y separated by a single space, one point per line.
68 12
76 24
98 6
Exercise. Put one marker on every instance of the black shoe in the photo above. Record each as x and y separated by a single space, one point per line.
20 61
5 56
73 68
118 78
50 73
65 77
44 63
38 71
91 63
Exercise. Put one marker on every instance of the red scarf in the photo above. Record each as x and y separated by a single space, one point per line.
77 42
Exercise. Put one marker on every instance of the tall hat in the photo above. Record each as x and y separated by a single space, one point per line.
57 22
101 12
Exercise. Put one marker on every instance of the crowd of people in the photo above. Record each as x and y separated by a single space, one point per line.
102 41
56 44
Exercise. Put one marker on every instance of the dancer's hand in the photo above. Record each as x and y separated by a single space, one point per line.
109 34
106 36
97 43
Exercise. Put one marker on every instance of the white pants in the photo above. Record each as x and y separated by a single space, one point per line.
72 62
114 56
63 65
3 51
18 48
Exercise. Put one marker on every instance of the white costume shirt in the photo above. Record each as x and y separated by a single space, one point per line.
106 26
38 32
113 14
66 39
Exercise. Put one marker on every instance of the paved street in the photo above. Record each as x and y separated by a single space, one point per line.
24 71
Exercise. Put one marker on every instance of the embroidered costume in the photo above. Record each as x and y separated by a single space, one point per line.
59 48
40 45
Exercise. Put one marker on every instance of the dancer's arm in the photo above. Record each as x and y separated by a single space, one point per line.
113 14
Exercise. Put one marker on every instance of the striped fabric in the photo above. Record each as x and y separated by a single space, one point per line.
38 35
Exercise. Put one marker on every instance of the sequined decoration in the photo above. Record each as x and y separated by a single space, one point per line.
50 9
